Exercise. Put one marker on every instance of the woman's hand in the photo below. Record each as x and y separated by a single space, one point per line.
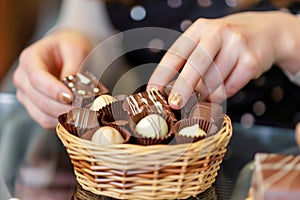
217 57
40 70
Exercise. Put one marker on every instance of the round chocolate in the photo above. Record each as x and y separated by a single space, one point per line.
192 131
102 101
107 135
152 126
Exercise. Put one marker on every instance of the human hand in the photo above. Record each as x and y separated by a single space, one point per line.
217 57
297 134
40 70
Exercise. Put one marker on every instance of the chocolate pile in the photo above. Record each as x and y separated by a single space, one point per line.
143 118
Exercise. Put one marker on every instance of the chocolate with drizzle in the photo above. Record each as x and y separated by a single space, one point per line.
150 101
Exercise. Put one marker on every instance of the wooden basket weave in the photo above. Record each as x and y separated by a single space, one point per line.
127 171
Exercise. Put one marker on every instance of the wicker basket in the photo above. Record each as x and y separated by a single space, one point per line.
127 171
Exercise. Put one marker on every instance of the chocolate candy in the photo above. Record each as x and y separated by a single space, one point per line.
152 126
82 118
208 111
276 177
192 131
102 101
107 135
150 101
85 87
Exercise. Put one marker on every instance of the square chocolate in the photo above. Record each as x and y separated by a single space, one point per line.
85 88
276 177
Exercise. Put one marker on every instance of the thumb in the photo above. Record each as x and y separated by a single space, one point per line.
73 57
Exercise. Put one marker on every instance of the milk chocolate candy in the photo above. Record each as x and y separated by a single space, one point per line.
276 177
150 101
207 111
82 119
85 88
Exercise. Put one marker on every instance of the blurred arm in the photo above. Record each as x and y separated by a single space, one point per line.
87 16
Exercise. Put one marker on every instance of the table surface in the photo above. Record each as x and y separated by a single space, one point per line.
34 164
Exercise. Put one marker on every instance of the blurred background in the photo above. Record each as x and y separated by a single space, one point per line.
20 23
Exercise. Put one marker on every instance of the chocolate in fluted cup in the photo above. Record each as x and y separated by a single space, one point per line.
205 125
126 134
69 127
144 139
114 113
149 101
208 111
78 120
88 135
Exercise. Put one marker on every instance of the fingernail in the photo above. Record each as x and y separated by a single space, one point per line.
175 99
65 98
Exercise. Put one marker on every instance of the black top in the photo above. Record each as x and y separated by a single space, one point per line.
270 100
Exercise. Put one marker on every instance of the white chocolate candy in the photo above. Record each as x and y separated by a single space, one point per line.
107 135
192 131
152 126
102 101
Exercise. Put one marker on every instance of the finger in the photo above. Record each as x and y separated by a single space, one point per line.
236 80
172 61
46 121
219 70
218 95
72 58
44 103
43 81
194 69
